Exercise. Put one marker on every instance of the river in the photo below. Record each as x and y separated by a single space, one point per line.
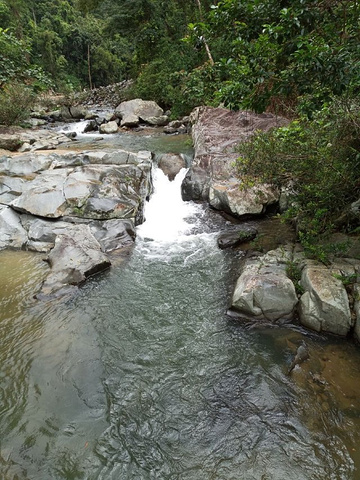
142 375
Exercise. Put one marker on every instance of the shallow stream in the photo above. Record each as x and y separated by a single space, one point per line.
142 375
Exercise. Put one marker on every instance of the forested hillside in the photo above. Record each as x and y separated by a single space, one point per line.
255 54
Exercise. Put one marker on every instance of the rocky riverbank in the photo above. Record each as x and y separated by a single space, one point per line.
76 207
281 284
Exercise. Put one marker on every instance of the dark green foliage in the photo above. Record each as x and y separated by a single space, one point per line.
279 55
317 160
15 103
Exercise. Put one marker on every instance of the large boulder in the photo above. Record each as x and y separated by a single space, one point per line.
133 111
324 306
216 133
171 164
263 291
108 128
76 255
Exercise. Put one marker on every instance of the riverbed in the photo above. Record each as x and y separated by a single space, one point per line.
142 375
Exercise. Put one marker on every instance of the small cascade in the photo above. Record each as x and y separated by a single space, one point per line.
168 218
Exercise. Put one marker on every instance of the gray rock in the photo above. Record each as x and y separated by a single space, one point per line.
110 127
91 126
263 290
10 142
324 307
113 234
170 130
171 164
212 177
76 256
158 121
132 111
12 233
236 237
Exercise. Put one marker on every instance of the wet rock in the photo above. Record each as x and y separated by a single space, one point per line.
170 130
263 291
110 127
212 177
236 237
171 164
324 307
91 126
93 185
12 233
113 234
76 255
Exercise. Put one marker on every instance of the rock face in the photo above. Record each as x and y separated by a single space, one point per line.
216 132
263 290
324 306
133 111
77 206
171 164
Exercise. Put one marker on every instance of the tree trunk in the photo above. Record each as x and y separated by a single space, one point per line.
89 69
211 60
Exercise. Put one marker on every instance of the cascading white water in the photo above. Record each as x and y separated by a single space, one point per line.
167 217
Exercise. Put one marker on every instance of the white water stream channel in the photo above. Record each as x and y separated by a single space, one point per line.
143 376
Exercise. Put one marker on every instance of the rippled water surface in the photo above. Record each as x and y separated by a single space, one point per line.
143 376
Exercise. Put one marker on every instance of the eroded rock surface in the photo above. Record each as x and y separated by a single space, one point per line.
216 132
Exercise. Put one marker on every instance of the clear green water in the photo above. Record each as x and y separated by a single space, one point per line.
141 375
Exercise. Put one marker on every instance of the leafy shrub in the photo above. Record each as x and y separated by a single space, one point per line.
15 103
318 159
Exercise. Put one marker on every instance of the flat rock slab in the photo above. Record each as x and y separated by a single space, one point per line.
92 185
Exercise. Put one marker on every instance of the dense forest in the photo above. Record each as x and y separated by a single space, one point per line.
297 58
278 55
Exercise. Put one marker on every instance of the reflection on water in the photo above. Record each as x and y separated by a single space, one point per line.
142 376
